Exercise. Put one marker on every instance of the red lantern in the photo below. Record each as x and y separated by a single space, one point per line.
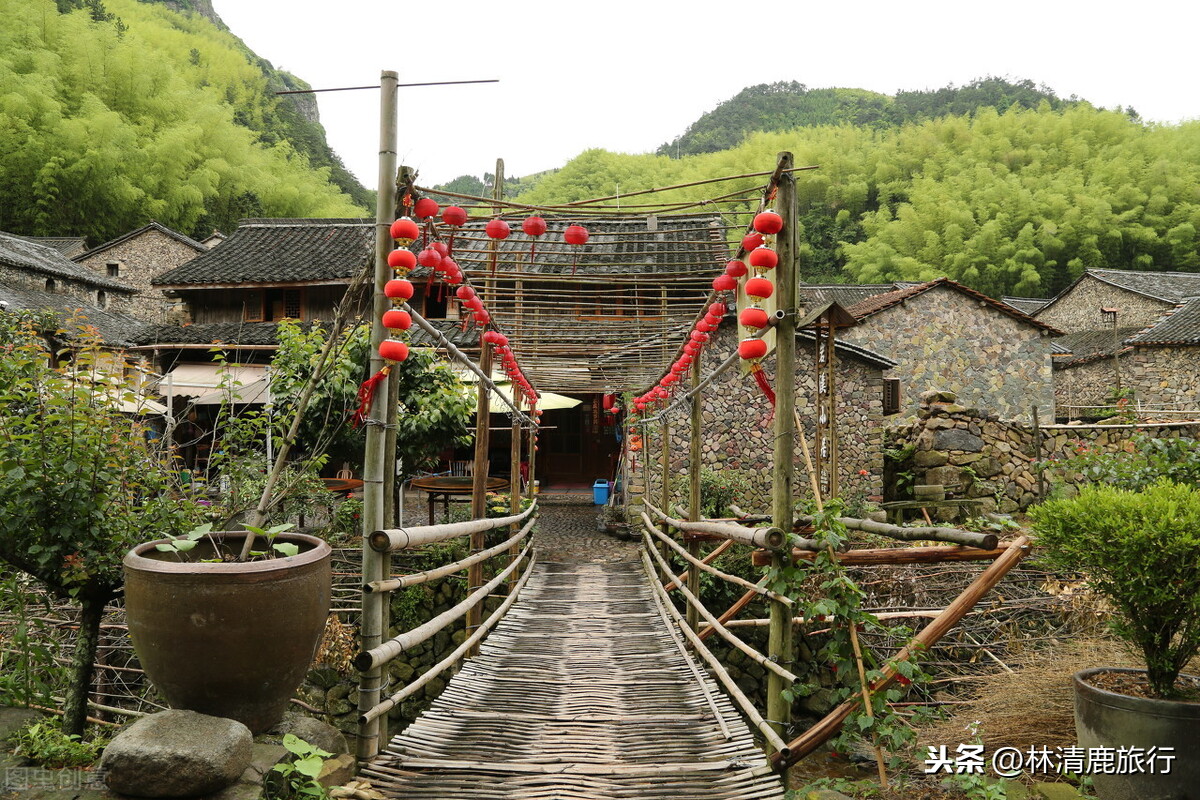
751 349
482 317
454 216
575 234
396 320
398 289
753 317
404 230
392 350
464 293
534 226
763 258
735 268
441 248
717 309
429 258
685 360
699 336
453 275
475 304
759 287
724 283
426 207
497 229
768 222
704 325
401 259
751 241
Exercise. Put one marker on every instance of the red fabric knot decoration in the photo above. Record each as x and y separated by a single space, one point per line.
366 392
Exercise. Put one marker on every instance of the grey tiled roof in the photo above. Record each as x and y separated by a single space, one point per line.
153 226
1173 287
1087 345
1026 305
264 333
845 295
881 302
281 251
1180 326
26 254
69 246
115 328
691 243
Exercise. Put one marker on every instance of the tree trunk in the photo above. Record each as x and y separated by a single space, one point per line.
82 660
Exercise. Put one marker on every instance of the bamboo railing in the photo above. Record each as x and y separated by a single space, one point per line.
391 540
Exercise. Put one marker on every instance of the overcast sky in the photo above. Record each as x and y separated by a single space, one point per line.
629 76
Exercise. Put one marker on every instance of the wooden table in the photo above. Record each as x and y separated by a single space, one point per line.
448 486
342 486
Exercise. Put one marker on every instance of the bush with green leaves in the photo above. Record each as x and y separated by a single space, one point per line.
79 483
1139 550
1143 461
718 488
296 777
45 743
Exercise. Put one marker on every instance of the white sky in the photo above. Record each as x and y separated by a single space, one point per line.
628 76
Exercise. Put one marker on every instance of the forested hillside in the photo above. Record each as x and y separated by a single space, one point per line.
1018 202
115 112
787 105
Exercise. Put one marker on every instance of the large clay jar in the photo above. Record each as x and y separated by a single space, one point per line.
228 639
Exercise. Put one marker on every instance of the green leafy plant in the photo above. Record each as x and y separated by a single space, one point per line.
299 772
1138 549
717 490
80 483
1142 461
44 742
180 545
976 785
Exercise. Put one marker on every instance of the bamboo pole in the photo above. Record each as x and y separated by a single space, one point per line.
416 578
770 538
694 602
665 494
984 541
780 645
479 489
387 541
893 555
693 546
734 609
812 738
703 564
514 478
385 652
440 667
372 626
708 559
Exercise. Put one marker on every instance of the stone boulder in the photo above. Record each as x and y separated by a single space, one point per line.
177 754
317 733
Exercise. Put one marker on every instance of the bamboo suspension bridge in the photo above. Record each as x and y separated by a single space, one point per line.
585 681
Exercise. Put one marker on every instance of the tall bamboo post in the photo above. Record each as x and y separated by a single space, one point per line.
664 496
779 711
514 480
483 425
374 605
693 547
531 448
1037 454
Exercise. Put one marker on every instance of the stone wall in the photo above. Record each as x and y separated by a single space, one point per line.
1079 309
738 433
976 455
1090 383
943 338
70 290
1158 376
138 260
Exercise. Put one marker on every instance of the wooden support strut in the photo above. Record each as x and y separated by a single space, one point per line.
770 538
815 736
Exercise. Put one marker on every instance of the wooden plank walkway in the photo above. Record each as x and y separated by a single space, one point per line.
581 693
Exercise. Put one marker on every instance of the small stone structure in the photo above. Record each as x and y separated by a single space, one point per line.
973 454
177 754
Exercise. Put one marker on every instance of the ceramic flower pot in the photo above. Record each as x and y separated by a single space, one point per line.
228 639
1156 728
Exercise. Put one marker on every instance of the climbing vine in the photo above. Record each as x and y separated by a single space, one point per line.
831 602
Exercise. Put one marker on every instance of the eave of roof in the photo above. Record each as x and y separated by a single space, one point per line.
874 305
22 253
152 226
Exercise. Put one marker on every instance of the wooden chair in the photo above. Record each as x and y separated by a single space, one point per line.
462 468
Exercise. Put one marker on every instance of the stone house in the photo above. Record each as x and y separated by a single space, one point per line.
1128 330
944 335
137 258
738 434
38 277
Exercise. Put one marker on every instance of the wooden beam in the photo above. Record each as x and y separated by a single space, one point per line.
894 555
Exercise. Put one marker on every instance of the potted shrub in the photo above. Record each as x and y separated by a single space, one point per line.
225 636
1138 549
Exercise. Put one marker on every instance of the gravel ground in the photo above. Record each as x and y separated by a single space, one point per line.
569 530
